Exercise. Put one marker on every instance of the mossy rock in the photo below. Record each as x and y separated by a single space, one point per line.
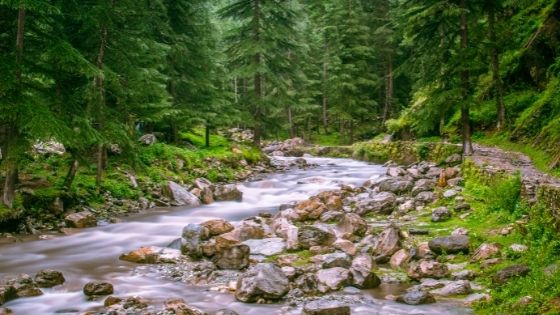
404 152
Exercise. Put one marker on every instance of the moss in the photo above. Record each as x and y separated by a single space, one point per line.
404 152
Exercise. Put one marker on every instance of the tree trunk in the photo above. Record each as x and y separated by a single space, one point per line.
10 183
351 131
325 100
389 89
100 86
258 79
207 135
174 132
291 123
465 114
99 165
495 60
72 170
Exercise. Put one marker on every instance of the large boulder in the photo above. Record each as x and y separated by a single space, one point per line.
289 232
485 251
460 287
262 281
180 307
423 185
333 260
266 246
450 244
510 272
217 226
152 255
441 214
148 139
98 288
252 228
234 257
383 202
310 209
50 147
25 286
323 307
228 192
333 279
192 236
180 195
353 224
387 243
427 269
80 220
7 293
400 259
416 298
48 278
311 235
396 185
362 275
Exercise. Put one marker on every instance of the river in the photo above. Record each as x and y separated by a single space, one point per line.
92 254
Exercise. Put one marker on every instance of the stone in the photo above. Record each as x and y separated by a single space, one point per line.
345 246
322 307
510 272
191 238
50 147
148 139
454 159
310 209
460 231
217 226
48 278
387 243
423 185
450 193
225 240
5 311
519 248
463 275
206 196
332 279
251 229
425 197
395 171
400 259
7 293
416 298
226 312
179 307
262 281
450 244
362 275
427 269
180 195
331 216
485 251
485 264
441 214
98 288
396 185
353 224
266 246
289 232
235 257
383 202
475 298
25 286
333 260
310 235
228 192
460 287
152 255
80 220
202 183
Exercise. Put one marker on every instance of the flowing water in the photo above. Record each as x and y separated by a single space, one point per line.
92 254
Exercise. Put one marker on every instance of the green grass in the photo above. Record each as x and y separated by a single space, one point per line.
331 139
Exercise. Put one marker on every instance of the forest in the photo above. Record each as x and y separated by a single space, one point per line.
141 95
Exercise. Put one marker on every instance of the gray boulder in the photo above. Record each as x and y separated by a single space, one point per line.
80 220
266 246
387 243
234 257
383 202
48 278
192 237
227 193
416 298
98 288
322 307
396 185
441 214
262 281
180 195
311 235
362 275
450 244
332 279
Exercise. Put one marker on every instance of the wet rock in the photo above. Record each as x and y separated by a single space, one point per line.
427 269
25 286
266 246
510 272
387 243
333 260
310 235
460 287
7 293
332 279
250 229
396 185
383 202
192 236
353 224
98 288
235 257
226 312
310 209
416 298
80 220
180 307
217 226
289 232
450 244
225 240
362 275
441 214
152 255
228 192
180 195
485 251
48 278
322 307
262 281
400 259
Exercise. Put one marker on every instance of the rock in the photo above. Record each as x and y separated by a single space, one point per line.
345 246
331 216
425 197
387 243
450 193
455 182
202 183
179 307
310 235
333 260
148 139
262 281
510 272
7 293
462 206
322 307
383 202
5 311
475 298
206 195
180 195
450 244
266 246
234 257
310 209
485 264
441 214
460 287
48 278
422 251
395 171
225 240
50 147
98 288
406 206
485 251
192 236
427 269
460 231
253 228
25 286
353 224
416 298
400 259
225 312
228 192
454 159
463 275
289 232
152 255
362 275
80 220
217 226
396 185
423 185
332 279
519 248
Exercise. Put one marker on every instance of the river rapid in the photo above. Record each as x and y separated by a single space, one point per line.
92 254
